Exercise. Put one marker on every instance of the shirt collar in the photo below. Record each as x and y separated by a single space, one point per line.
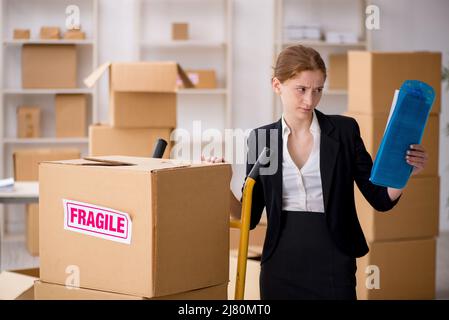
314 126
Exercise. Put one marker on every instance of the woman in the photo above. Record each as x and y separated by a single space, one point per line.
313 233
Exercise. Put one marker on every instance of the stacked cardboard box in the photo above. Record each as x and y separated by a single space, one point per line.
338 71
18 284
142 106
401 261
71 115
127 227
26 163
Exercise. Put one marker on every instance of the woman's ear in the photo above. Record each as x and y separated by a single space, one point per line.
276 84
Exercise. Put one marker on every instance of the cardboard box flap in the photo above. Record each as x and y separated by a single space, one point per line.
141 76
92 162
131 163
105 162
184 78
91 79
13 284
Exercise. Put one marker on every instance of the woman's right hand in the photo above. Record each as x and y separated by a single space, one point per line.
235 204
212 159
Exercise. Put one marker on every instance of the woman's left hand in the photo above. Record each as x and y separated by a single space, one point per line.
417 157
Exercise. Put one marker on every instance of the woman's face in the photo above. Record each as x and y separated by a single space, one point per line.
301 93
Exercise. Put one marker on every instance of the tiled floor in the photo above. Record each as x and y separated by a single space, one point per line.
15 256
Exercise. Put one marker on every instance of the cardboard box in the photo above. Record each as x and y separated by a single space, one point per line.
51 291
399 269
49 33
372 129
74 34
105 140
142 94
26 160
29 120
201 79
338 71
21 34
49 66
18 284
415 216
32 229
71 115
180 31
142 110
162 225
374 76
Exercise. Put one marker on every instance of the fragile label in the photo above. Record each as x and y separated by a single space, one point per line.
97 221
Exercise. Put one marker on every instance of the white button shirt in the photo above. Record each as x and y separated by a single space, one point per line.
301 189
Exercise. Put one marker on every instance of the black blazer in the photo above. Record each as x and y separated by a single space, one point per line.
343 160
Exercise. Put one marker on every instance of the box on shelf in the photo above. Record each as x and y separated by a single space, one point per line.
71 115
26 160
49 33
51 291
29 119
372 128
201 79
295 32
18 284
106 140
373 78
142 94
21 34
49 66
341 37
415 216
74 34
32 229
397 270
338 71
162 225
180 31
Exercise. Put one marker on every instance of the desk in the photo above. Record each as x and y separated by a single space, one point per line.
23 192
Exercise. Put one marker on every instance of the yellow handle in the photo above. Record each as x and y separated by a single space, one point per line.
243 225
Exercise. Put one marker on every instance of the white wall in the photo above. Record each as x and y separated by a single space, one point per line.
405 25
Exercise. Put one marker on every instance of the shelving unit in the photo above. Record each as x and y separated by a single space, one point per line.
32 14
332 16
209 47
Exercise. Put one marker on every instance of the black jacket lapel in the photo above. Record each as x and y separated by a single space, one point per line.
329 146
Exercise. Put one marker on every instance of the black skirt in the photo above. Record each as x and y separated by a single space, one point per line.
306 264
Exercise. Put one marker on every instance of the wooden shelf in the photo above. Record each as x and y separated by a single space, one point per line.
218 91
335 92
322 43
46 140
183 44
48 91
19 42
